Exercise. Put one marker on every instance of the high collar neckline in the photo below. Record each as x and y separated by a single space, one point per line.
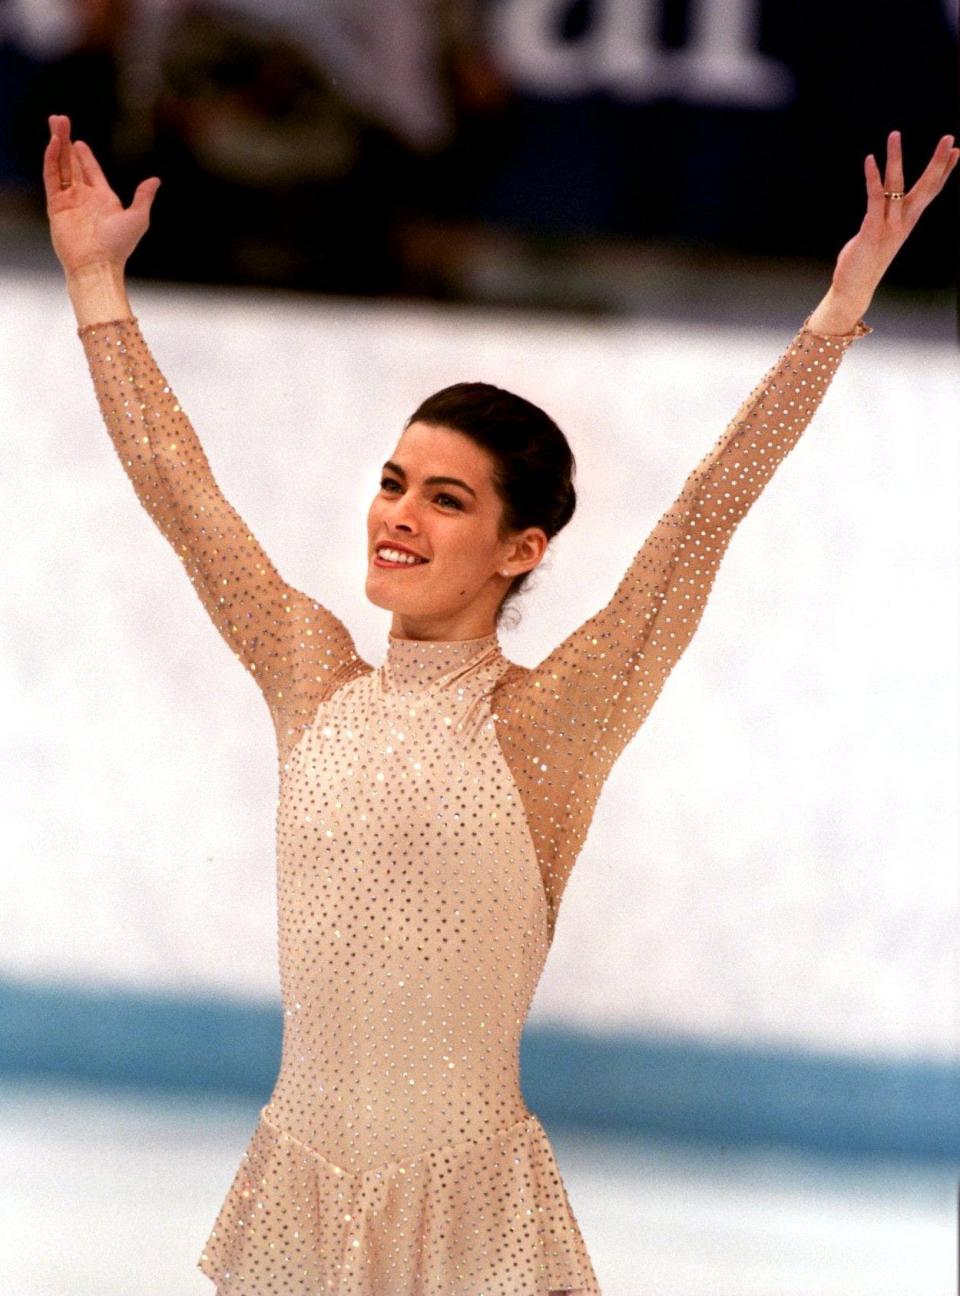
416 664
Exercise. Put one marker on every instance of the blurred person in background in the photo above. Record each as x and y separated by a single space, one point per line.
270 165
304 139
444 556
302 136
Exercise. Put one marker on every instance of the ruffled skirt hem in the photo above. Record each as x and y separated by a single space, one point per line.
488 1217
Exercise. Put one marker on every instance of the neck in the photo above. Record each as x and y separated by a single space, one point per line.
416 664
442 630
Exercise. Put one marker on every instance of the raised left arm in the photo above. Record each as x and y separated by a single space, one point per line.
563 724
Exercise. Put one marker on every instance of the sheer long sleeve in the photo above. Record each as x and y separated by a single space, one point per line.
297 650
563 724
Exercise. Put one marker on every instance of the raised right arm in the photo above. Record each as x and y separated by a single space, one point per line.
297 650
290 644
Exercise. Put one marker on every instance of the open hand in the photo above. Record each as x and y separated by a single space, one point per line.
864 259
88 223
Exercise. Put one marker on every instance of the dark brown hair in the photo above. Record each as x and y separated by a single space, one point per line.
534 466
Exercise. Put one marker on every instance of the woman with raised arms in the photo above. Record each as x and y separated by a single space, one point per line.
431 809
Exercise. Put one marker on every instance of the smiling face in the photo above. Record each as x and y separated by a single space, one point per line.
454 525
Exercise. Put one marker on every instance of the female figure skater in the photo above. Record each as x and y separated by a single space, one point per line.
431 809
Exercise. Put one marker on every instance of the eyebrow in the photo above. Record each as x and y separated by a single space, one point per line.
431 481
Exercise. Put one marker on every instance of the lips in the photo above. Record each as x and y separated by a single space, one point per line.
400 549
380 561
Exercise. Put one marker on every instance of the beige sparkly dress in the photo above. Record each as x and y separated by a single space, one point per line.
430 812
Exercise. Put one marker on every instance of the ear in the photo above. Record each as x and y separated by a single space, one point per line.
529 547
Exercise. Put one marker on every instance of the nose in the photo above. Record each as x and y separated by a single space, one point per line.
401 513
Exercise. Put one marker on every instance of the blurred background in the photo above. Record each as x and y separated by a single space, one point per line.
551 152
746 1044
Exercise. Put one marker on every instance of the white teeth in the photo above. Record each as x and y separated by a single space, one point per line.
395 555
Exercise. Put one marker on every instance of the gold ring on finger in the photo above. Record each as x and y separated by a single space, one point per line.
895 194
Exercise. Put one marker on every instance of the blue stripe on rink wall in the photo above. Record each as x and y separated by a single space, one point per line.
692 1089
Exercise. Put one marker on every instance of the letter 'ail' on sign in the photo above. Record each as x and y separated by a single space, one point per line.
620 52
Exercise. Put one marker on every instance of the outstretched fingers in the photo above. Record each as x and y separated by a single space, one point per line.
893 177
82 165
63 171
875 199
144 195
863 260
906 209
51 166
69 171
89 166
935 173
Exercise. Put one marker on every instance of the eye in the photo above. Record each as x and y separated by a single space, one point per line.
389 481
